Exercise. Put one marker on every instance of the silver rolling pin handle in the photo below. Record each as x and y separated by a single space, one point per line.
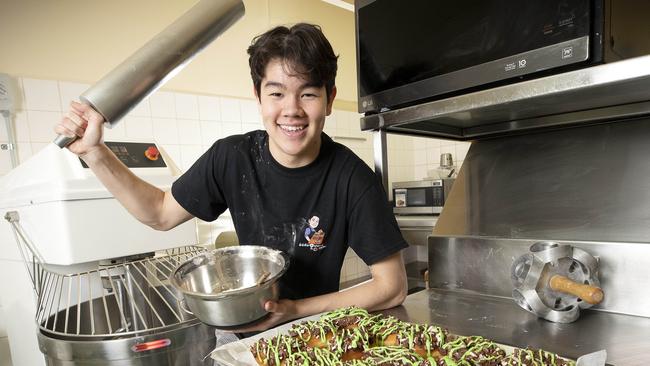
63 141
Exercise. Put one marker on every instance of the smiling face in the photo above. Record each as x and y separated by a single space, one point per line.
314 221
293 112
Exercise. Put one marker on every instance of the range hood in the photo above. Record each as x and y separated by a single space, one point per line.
587 96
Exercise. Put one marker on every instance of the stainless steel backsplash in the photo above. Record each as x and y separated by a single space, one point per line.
586 183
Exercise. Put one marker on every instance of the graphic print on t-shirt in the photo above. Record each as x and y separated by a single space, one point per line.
314 236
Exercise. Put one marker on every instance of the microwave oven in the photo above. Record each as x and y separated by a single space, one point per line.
421 197
415 51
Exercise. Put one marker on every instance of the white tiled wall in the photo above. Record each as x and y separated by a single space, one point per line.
410 158
186 124
427 154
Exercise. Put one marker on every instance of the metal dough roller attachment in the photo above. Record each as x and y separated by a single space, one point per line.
158 60
554 281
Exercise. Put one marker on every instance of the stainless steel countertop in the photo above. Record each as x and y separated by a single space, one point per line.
626 338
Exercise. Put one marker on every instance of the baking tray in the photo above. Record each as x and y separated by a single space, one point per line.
238 353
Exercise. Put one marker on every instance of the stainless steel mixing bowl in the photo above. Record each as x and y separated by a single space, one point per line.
228 287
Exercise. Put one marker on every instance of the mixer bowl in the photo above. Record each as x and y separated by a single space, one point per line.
228 287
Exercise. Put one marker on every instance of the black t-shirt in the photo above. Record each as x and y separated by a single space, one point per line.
311 213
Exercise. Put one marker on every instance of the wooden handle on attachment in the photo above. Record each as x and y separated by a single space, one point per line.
588 293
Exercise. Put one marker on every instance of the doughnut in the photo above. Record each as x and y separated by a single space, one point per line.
474 350
350 343
346 317
393 356
425 340
274 351
316 334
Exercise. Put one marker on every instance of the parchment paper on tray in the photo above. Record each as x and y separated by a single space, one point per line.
238 353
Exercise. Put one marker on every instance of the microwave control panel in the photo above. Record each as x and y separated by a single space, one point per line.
438 196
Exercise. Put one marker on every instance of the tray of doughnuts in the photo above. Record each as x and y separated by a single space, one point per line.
353 337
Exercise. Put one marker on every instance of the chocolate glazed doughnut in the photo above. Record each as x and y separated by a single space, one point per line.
315 334
346 318
425 340
473 350
275 351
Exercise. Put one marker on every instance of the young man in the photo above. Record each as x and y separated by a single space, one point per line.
289 187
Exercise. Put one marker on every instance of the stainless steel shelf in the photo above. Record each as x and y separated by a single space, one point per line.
592 95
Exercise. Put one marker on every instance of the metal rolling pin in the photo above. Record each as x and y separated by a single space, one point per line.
158 60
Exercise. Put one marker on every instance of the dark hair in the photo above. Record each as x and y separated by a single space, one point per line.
303 48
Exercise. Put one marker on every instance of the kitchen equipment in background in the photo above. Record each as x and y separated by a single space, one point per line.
470 289
528 177
421 197
462 44
228 287
548 186
517 190
87 286
159 60
554 281
416 230
445 170
122 313
63 205
446 160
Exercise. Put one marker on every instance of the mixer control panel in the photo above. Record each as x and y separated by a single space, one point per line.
136 154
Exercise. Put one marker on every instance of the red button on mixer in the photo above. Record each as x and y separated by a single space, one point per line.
152 153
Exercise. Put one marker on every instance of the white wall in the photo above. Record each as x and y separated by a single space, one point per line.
5 355
410 158
82 40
